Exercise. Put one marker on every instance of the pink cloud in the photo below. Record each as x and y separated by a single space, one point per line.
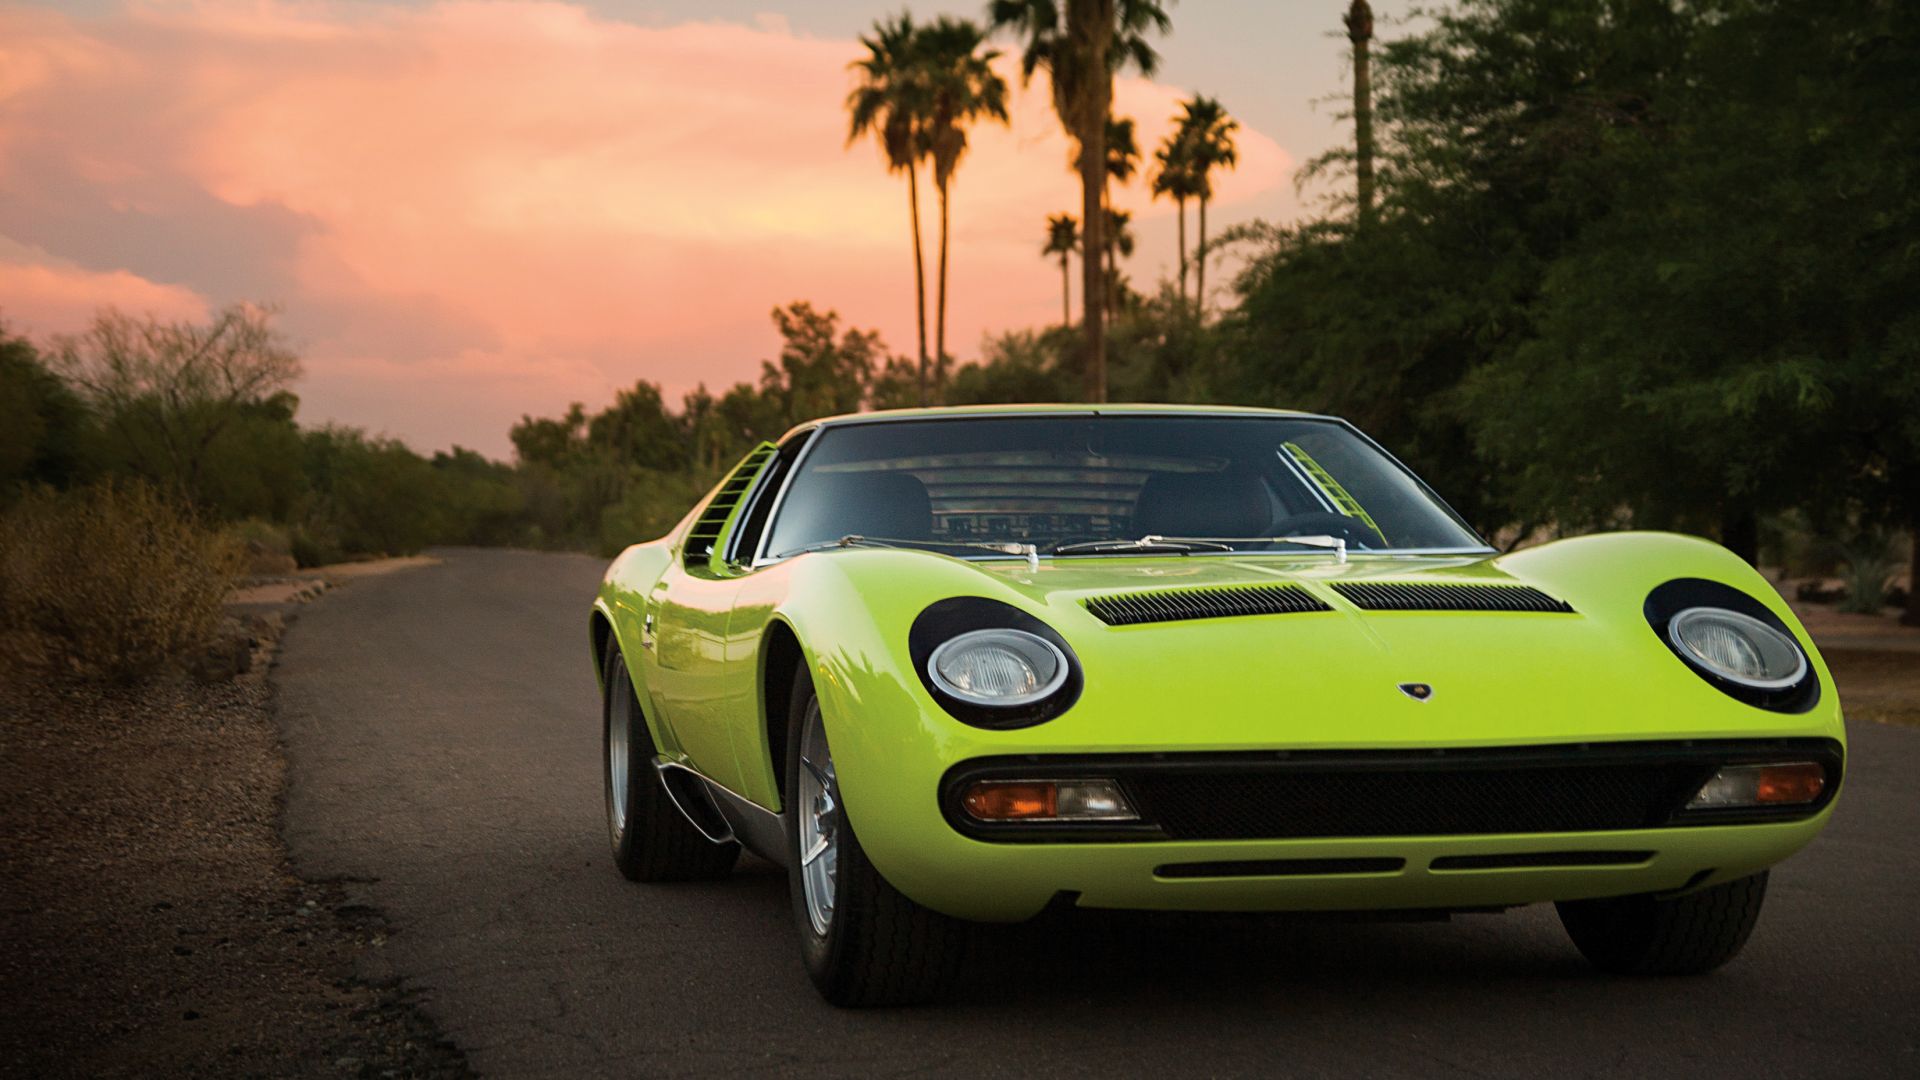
41 297
561 202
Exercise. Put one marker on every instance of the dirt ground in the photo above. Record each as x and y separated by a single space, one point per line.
149 922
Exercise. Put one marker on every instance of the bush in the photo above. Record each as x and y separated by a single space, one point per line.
112 582
268 547
1867 573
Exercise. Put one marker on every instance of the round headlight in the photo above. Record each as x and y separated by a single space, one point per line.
1738 648
998 667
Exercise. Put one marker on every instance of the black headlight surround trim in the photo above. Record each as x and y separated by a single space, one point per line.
1673 597
945 619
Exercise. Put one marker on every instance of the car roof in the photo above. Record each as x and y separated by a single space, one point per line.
949 412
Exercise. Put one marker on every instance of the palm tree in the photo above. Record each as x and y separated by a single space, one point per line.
1173 177
1208 132
1119 243
1359 20
1123 159
1063 239
962 88
1082 47
892 103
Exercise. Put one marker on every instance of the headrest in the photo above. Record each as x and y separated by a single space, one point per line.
1229 503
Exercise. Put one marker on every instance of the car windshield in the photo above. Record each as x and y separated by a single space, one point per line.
1109 485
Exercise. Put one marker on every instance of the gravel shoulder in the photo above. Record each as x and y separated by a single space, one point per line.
150 922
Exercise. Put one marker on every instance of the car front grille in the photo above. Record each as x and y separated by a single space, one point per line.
1471 791
1393 802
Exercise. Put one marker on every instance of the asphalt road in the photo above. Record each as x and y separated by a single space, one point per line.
442 728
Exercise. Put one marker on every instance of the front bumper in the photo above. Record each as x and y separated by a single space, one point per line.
1352 830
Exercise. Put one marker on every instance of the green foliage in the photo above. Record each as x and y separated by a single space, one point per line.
111 582
1636 261
47 435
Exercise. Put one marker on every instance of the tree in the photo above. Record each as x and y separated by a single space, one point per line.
1063 239
1359 21
1123 159
46 433
1173 177
963 89
166 393
1081 47
892 102
1119 242
1207 131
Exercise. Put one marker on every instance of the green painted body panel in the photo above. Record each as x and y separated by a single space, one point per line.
1324 680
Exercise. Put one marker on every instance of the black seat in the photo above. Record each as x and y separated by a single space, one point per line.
888 505
1230 503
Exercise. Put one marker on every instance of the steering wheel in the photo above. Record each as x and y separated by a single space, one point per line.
1354 531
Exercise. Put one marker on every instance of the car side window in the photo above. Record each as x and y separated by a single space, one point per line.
746 539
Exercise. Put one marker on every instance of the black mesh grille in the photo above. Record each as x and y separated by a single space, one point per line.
1429 596
1128 609
1244 805
705 531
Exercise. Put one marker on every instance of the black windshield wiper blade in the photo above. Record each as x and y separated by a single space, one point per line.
1331 543
1145 543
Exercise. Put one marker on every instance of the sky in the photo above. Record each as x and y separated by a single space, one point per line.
468 211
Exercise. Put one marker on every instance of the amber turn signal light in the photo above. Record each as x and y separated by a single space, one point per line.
1003 800
1791 783
1046 800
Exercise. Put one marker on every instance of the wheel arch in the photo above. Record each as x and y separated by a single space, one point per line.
781 655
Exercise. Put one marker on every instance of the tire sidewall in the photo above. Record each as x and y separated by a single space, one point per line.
819 951
618 683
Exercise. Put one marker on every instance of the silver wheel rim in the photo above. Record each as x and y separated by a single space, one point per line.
818 804
619 736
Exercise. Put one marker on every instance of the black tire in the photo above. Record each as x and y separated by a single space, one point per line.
880 948
1681 935
651 839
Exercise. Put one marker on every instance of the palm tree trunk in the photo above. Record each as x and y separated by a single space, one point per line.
919 275
940 317
1181 203
1090 30
1200 260
1066 308
1359 22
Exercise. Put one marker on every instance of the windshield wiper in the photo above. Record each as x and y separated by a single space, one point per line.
1332 543
1029 551
1145 543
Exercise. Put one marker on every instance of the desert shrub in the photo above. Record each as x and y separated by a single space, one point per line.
268 547
112 582
1866 571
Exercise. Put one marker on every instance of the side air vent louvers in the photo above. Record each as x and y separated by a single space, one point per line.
1427 596
1129 609
705 532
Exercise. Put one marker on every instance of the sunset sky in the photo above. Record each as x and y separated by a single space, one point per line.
468 211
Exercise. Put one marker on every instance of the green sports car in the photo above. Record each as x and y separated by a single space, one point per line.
959 665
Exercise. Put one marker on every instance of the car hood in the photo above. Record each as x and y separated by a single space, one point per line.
1334 678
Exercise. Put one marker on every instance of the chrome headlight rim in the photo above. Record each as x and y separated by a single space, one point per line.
1682 621
944 620
975 638
1671 597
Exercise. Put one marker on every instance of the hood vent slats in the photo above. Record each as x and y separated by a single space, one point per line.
1430 596
1131 609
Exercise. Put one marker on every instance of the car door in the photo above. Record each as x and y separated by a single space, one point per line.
687 612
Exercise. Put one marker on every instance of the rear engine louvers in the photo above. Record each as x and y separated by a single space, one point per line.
1129 609
1427 596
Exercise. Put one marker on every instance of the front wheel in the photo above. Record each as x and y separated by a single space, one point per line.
1680 935
863 942
651 839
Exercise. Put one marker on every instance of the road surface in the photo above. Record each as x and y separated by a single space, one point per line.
443 733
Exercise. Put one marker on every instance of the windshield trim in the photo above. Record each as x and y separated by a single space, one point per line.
761 557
